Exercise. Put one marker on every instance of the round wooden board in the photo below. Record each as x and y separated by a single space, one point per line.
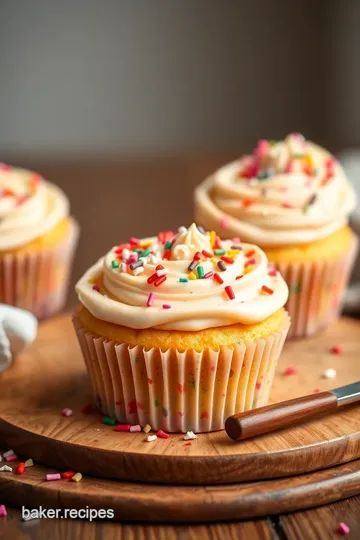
51 376
133 501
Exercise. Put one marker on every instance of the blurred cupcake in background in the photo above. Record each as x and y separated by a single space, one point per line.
182 330
293 199
37 242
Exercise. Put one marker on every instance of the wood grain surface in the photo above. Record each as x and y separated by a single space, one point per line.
51 376
132 501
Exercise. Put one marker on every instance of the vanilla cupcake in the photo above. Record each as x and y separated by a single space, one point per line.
182 330
37 242
292 198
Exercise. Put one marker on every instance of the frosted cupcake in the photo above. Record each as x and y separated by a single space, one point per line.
37 242
182 330
292 198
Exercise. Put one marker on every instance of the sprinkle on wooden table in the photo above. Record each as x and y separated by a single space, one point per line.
291 370
135 428
77 477
151 438
12 457
20 469
66 412
68 474
108 421
51 477
336 349
218 278
3 512
29 463
122 427
187 443
229 291
8 453
343 528
162 435
329 373
189 436
147 428
5 468
267 290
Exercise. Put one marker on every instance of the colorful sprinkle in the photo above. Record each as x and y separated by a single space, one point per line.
12 457
192 265
134 241
218 278
212 235
291 370
250 262
224 222
219 252
135 429
8 453
166 306
208 275
151 438
188 443
329 373
272 272
200 272
267 290
20 469
343 528
136 264
152 278
162 435
96 288
147 428
206 254
287 205
197 256
145 253
66 412
150 300
335 349
250 253
192 276
221 265
77 477
3 512
229 291
114 264
50 477
248 269
107 420
122 427
183 280
29 463
68 474
247 202
5 468
189 436
228 260
159 281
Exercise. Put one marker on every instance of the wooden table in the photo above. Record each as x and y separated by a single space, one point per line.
113 199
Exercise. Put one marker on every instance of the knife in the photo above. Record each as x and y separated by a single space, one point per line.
286 413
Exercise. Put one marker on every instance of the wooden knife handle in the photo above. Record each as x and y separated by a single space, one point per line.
251 423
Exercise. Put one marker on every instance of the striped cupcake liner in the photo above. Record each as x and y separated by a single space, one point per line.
316 291
180 391
38 281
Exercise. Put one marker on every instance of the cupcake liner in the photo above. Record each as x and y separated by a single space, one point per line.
38 281
316 291
180 391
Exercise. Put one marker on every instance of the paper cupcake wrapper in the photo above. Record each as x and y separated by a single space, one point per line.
38 281
180 391
316 291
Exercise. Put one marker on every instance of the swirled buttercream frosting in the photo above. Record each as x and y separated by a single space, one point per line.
29 207
284 193
185 280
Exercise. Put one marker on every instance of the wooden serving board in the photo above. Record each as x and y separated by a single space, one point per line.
51 376
133 501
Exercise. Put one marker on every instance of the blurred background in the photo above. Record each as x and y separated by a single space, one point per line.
128 104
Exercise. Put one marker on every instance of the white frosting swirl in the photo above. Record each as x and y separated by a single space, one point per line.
192 305
291 192
29 207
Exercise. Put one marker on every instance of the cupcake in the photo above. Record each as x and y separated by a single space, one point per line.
292 198
37 242
181 330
